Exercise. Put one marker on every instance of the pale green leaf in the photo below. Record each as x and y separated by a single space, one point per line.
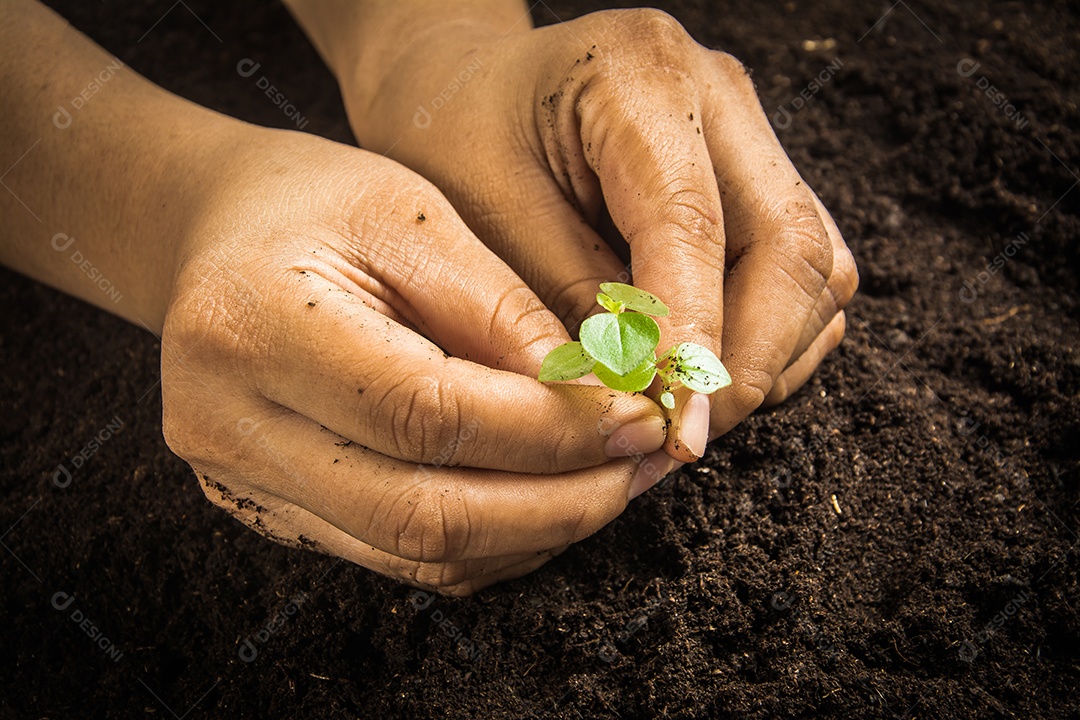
612 306
698 368
566 362
634 299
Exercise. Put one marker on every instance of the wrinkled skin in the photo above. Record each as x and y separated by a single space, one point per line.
296 384
532 133
344 363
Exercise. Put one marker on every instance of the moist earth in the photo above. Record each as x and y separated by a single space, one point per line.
897 540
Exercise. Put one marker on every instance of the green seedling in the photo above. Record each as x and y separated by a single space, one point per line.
619 347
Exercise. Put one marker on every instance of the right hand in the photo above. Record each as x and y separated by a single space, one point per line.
621 111
299 380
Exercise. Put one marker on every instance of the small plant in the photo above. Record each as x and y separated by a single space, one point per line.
619 347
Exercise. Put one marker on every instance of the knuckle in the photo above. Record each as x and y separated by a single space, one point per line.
195 422
691 211
433 528
657 25
178 435
389 210
575 301
654 37
186 431
444 578
824 311
215 448
730 67
521 320
424 421
417 537
844 281
218 316
466 588
778 394
580 525
559 451
747 394
805 244
181 438
841 331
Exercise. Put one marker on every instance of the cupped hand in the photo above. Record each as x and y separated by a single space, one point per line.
348 368
532 135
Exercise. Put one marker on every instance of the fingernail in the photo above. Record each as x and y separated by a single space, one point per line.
651 469
636 438
694 427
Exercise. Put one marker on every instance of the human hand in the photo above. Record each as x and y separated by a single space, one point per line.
532 134
289 277
298 385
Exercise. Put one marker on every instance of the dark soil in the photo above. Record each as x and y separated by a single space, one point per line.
940 582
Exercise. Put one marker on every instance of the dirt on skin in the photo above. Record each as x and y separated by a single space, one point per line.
898 540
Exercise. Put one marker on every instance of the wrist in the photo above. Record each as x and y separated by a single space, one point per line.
206 159
101 187
405 94
387 56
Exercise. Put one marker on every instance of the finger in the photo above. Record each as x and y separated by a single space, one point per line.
688 432
417 513
840 288
456 290
294 526
391 390
844 271
780 252
798 372
544 239
658 184
657 178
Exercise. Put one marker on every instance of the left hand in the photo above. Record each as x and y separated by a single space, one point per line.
532 134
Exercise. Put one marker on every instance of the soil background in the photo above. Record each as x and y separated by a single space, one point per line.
945 428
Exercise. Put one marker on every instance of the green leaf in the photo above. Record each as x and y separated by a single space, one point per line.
667 400
622 342
634 299
698 369
608 304
566 362
634 381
